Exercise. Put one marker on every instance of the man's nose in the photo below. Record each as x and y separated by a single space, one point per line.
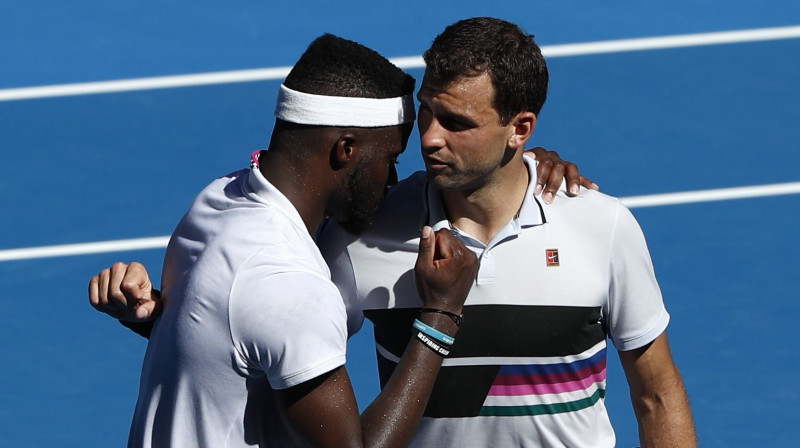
431 135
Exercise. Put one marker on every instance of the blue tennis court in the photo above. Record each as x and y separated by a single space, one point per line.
650 98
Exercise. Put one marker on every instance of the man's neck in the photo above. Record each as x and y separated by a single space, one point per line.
484 212
299 188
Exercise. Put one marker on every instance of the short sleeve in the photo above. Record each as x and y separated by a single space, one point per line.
635 313
290 325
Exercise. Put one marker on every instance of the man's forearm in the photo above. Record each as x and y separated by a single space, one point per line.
665 418
658 396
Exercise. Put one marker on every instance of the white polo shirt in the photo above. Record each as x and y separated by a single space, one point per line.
251 309
528 367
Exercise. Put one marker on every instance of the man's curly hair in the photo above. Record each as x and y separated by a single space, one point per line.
339 67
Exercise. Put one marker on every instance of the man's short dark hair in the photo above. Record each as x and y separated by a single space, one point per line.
339 67
510 56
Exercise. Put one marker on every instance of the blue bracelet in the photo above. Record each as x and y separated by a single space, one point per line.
434 333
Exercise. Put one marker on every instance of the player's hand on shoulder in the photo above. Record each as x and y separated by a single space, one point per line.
552 170
445 270
124 292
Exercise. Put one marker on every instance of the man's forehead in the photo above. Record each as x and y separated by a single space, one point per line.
390 134
482 82
444 79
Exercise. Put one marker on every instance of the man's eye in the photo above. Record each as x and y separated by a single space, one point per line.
455 125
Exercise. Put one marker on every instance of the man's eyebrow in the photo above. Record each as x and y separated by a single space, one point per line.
456 116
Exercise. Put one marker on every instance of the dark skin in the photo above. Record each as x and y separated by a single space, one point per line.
324 409
552 170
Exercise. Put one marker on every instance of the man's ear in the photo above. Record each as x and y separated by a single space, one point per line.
345 151
523 126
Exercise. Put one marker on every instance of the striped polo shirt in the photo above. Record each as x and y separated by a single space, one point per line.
528 366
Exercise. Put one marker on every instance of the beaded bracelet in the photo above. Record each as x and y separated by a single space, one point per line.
457 318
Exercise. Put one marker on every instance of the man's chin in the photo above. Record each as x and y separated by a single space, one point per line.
455 183
441 183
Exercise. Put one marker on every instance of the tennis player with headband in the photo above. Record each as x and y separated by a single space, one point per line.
250 347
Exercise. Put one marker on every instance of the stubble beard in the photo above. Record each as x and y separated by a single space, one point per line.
363 202
460 181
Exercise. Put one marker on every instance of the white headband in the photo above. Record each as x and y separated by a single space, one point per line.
305 108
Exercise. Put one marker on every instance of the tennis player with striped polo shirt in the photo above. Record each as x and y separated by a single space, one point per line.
556 280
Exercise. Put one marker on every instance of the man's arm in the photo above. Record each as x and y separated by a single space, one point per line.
658 396
324 409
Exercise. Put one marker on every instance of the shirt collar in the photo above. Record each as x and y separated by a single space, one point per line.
261 190
532 212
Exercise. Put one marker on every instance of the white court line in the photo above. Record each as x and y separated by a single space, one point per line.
654 200
721 194
411 62
157 242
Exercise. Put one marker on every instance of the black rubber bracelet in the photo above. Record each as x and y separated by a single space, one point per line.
457 318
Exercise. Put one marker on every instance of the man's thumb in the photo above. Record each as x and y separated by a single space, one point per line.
426 244
148 309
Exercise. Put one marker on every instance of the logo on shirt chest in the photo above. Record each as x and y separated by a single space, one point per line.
552 257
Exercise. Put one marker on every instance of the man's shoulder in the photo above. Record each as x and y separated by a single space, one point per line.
588 202
409 188
407 195
595 215
402 210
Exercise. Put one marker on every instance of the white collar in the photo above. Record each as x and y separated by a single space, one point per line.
531 213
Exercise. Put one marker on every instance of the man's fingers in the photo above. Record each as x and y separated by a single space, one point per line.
551 171
446 247
554 181
115 295
543 169
99 293
104 277
547 161
94 291
587 183
135 284
573 178
539 153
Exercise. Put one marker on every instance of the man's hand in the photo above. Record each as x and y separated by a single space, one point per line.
125 292
445 270
324 409
551 172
